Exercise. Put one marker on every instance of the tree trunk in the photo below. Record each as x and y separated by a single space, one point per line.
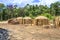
1 18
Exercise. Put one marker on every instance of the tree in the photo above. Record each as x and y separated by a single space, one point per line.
55 8
2 5
10 9
1 11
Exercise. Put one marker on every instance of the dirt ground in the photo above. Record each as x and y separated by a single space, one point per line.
24 32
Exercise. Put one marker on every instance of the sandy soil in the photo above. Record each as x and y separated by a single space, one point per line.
24 32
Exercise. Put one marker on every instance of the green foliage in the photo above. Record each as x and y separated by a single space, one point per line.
55 8
32 11
31 16
2 5
49 16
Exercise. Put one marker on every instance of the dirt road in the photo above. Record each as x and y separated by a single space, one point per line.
24 32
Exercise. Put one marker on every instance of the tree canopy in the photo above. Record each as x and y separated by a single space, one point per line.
12 11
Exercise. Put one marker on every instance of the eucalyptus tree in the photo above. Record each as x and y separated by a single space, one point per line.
55 8
1 11
10 10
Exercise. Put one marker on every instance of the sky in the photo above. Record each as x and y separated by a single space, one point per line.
22 3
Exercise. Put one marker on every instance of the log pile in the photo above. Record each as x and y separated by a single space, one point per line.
20 20
41 20
27 21
13 21
57 21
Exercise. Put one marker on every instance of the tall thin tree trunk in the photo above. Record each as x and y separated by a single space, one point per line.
1 18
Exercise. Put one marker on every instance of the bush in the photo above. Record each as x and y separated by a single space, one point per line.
31 16
49 16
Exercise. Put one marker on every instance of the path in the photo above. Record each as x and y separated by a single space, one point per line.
21 32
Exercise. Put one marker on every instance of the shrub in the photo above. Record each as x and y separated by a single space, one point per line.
49 16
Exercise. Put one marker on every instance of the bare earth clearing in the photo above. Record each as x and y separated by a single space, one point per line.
24 32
